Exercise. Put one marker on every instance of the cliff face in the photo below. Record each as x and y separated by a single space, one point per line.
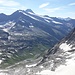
61 58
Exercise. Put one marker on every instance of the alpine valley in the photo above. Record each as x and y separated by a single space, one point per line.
32 44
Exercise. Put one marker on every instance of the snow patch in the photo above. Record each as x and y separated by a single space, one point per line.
73 48
56 22
1 26
46 17
65 46
0 53
6 30
29 16
9 37
31 65
8 26
23 13
23 21
41 67
47 20
28 70
0 61
3 74
31 13
34 18
31 26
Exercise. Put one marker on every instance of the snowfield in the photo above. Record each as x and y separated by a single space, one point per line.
3 74
68 69
65 47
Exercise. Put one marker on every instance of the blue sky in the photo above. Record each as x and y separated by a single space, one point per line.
53 8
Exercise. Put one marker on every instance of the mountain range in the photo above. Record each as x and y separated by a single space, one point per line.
25 35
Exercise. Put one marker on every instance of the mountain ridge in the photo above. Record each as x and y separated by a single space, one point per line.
30 35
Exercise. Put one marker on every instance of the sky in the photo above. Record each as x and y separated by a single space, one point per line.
53 8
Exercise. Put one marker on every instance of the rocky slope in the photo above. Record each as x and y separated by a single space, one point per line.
60 60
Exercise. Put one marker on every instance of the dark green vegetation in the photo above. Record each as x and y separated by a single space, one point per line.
30 53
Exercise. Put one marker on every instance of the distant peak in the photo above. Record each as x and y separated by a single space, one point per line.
46 16
29 10
20 10
2 14
67 19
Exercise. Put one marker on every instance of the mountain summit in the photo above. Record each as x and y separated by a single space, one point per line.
29 10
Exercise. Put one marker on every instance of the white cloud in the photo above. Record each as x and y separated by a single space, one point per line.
44 5
10 10
9 3
71 4
9 6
